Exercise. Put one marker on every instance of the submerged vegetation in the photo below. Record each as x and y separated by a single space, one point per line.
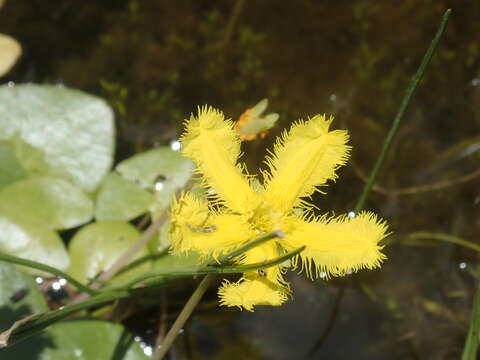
107 223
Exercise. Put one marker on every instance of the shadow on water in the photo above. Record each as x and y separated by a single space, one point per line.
30 348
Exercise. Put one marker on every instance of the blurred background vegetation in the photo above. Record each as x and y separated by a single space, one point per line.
155 61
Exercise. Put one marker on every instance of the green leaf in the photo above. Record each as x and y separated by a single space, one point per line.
73 129
77 339
161 170
97 246
11 169
470 348
32 241
47 201
32 159
121 200
91 339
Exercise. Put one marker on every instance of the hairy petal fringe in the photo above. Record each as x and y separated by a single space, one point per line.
262 287
335 246
195 227
305 157
210 141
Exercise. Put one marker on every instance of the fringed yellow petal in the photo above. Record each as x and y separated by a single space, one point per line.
262 287
212 143
335 246
305 157
194 227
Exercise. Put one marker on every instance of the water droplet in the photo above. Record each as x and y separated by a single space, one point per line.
349 272
137 338
62 281
77 352
56 285
333 97
323 275
211 192
475 82
462 265
148 350
160 182
351 214
10 84
60 85
181 331
175 145
39 280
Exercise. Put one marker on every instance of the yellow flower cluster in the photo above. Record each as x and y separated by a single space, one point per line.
305 157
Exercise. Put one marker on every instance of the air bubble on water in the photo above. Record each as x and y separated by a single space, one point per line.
56 285
147 350
175 145
160 182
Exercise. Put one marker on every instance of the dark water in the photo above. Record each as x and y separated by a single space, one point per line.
155 61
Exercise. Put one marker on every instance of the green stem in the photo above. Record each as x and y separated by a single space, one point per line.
471 343
445 237
156 277
182 318
49 269
32 324
401 111
250 245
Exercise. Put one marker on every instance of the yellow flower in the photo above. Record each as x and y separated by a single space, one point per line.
241 209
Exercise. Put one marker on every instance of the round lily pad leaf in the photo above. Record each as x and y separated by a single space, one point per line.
50 202
97 246
73 129
91 339
120 199
32 241
161 170
77 339
11 169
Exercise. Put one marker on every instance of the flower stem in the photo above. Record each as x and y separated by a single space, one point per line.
401 111
182 318
49 269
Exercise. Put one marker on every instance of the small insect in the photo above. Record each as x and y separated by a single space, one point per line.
19 295
202 229
262 272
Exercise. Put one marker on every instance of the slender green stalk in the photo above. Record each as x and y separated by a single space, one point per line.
392 132
401 111
37 322
238 269
49 269
250 245
445 237
182 318
471 343
32 324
